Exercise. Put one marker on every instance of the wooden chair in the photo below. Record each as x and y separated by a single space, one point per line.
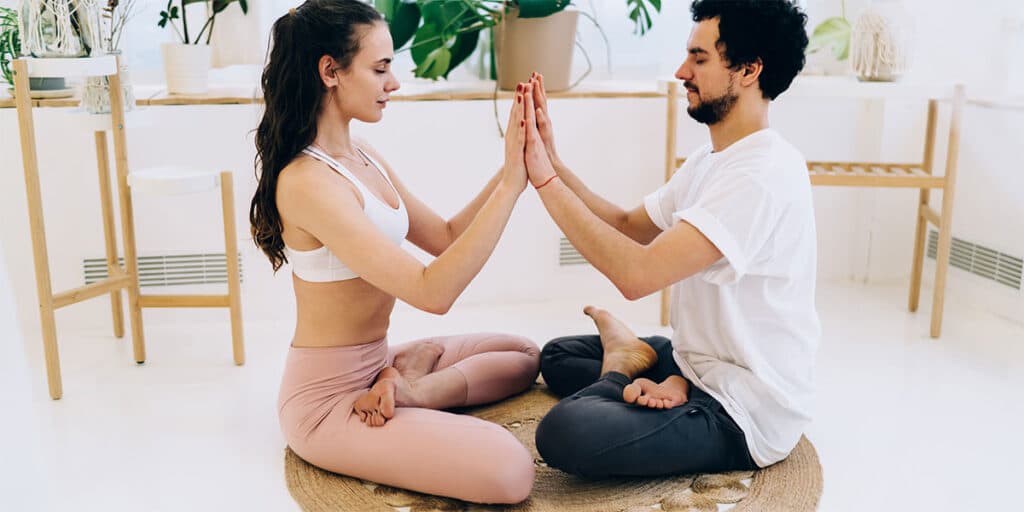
919 176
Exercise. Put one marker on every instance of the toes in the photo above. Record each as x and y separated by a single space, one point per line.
630 393
643 400
589 310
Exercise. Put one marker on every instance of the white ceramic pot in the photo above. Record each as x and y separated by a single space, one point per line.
186 67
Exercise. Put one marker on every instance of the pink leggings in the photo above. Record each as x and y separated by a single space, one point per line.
423 450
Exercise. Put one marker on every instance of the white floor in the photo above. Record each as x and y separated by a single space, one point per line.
904 422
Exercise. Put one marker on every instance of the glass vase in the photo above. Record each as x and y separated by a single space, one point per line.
96 92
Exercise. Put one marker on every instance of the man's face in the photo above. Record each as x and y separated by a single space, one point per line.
710 84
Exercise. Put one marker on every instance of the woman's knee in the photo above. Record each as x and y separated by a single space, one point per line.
509 475
531 357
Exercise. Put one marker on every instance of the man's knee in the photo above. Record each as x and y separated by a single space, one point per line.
559 441
552 357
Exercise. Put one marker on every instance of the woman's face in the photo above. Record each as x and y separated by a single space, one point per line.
362 91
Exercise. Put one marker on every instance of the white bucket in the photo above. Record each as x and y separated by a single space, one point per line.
187 67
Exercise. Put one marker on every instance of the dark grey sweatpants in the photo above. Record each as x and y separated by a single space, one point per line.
593 433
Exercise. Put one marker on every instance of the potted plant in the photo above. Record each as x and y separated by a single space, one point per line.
10 42
187 63
442 34
96 93
10 49
47 29
59 28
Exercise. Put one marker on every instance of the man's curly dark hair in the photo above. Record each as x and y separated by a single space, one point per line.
771 30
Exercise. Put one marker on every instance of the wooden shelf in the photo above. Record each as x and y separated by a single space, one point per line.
858 174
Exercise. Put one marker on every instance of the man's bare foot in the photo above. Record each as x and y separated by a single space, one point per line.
624 352
418 359
672 392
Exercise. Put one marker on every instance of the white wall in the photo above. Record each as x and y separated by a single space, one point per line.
446 151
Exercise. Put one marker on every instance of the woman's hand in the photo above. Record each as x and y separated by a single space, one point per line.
514 173
544 126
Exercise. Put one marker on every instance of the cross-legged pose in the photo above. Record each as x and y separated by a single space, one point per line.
331 207
733 232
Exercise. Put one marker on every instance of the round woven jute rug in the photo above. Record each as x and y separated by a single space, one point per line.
793 485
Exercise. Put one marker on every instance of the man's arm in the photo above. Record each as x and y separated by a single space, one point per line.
635 224
635 268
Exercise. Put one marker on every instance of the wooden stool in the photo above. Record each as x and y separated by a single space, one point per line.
119 278
183 180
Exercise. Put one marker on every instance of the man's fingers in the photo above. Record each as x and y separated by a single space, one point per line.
531 117
540 94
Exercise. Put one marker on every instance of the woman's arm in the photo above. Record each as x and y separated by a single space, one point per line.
329 210
427 230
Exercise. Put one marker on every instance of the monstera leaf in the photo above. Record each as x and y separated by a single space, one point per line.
448 35
834 32
641 14
403 17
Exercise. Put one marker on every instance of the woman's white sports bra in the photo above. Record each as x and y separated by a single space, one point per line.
320 265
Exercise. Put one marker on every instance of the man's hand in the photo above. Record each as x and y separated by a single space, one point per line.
514 170
544 126
538 164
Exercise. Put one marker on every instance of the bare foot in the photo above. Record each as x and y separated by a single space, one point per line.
624 352
672 392
418 359
377 406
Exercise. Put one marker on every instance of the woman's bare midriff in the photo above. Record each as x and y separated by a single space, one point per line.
340 313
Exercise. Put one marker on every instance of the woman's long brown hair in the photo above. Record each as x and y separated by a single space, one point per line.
293 95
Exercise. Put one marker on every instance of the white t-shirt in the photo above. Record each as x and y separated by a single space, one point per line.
745 330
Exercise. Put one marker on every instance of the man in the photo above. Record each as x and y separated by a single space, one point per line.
734 231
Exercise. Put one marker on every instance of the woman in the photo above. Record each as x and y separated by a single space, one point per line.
331 207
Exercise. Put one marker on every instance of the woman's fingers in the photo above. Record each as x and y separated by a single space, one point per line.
529 110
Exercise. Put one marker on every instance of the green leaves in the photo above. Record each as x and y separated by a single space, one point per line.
444 33
641 15
448 35
403 17
10 42
834 32
220 5
177 12
168 14
541 8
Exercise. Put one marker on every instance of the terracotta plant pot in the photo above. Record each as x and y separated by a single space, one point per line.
544 45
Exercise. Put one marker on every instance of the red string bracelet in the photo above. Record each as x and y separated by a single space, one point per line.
546 182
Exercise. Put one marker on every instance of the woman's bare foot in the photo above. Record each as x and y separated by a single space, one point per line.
418 359
377 406
624 352
672 392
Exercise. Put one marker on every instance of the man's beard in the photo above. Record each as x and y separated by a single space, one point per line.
712 111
